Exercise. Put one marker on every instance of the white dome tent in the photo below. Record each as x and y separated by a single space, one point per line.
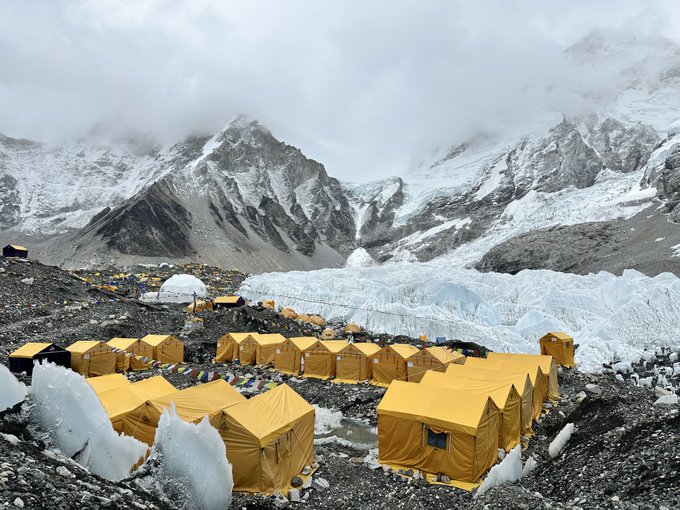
181 288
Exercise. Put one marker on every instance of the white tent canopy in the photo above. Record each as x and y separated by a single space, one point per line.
181 288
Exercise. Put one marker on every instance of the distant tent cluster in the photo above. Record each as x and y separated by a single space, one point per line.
93 358
452 422
324 359
269 438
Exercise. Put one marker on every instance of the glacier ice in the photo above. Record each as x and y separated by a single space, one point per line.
13 391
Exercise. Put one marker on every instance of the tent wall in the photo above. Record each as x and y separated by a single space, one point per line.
319 362
287 358
386 366
545 363
419 363
561 347
170 350
265 354
352 367
228 346
247 351
58 357
99 360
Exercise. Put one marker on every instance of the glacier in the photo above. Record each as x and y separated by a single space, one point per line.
612 318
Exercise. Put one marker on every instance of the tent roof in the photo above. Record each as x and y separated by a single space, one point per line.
152 387
189 407
542 360
239 337
121 343
119 401
403 350
366 348
156 340
281 405
217 394
226 299
442 354
498 391
303 342
82 346
446 408
18 247
269 339
559 335
519 379
504 366
30 349
335 346
107 382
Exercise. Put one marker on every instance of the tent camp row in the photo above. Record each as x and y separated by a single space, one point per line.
269 438
94 358
453 422
323 359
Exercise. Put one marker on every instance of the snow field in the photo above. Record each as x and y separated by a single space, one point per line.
67 408
612 318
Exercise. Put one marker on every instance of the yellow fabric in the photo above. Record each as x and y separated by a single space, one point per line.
503 394
247 350
319 361
166 348
560 346
352 363
289 313
18 247
315 319
351 328
521 382
118 402
544 362
328 334
201 305
191 404
260 349
227 346
92 358
267 453
289 353
269 303
29 350
134 346
470 422
389 363
540 393
107 382
430 358
152 387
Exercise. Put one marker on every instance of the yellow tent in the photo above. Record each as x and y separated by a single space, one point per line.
352 363
505 367
191 404
22 359
259 349
389 363
328 334
107 382
503 394
430 358
319 359
546 363
288 313
289 353
92 358
228 301
228 346
269 303
269 440
438 430
134 346
118 403
560 346
201 305
166 348
522 383
351 328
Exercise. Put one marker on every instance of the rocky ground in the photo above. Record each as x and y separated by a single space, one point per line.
625 452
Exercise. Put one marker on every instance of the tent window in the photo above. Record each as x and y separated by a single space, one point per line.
283 447
436 440
567 344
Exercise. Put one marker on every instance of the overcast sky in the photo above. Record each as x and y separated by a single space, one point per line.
365 87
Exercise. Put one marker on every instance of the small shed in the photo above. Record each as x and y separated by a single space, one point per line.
92 358
14 250
431 358
24 357
228 302
166 348
560 346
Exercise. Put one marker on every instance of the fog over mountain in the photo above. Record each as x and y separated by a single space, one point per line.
369 90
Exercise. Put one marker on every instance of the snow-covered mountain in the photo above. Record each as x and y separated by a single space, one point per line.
578 191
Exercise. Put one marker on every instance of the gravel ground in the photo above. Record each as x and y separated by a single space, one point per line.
624 453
